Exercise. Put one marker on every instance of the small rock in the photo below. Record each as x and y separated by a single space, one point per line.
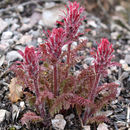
92 23
89 60
86 127
127 59
71 116
4 114
25 40
120 9
115 35
89 44
14 27
39 40
51 15
15 112
58 122
102 126
22 104
74 45
6 35
4 25
49 4
105 113
13 55
121 123
20 8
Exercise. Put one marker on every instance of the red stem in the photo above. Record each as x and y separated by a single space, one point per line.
68 55
91 97
55 75
41 105
68 58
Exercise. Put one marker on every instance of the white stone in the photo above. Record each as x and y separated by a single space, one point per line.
20 8
51 15
3 25
6 35
49 4
102 126
92 23
86 127
58 122
127 58
22 104
13 55
4 114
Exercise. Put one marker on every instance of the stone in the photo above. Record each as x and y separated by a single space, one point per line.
92 23
22 105
58 122
15 27
69 117
15 112
86 127
4 114
6 35
13 55
102 126
25 40
49 4
127 59
115 35
20 8
51 15
4 25
89 60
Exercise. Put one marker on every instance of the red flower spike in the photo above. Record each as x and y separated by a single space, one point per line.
103 56
55 42
30 61
72 20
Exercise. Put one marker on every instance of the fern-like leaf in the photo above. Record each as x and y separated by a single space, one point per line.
98 119
30 117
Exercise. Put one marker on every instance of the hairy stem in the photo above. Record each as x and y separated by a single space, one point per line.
55 76
91 97
41 105
68 58
68 55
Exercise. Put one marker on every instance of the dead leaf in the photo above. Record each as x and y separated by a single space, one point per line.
15 90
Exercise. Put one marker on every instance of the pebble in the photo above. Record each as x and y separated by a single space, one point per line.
15 27
127 59
102 126
69 117
92 23
13 55
25 40
20 8
49 4
89 60
58 122
51 15
15 112
6 35
4 114
4 25
115 35
86 127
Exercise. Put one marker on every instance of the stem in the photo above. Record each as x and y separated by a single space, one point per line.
55 75
91 97
68 55
68 58
41 105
